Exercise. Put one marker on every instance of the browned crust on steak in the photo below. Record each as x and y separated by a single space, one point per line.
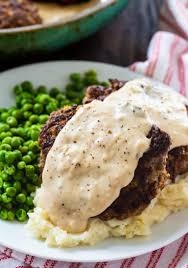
177 161
100 92
149 178
51 129
17 13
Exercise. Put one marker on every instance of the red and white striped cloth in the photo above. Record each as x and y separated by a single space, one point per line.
167 62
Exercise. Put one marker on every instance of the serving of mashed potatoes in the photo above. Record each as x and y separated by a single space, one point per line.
173 197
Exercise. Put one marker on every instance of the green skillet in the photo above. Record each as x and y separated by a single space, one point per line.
61 26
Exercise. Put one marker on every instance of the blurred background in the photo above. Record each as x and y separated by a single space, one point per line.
122 41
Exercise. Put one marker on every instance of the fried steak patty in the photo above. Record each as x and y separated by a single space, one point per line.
151 173
17 13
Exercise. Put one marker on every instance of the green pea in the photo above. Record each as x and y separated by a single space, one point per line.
91 73
27 124
6 198
12 121
29 201
21 215
52 106
37 108
4 116
54 91
11 191
27 114
30 170
3 214
21 198
27 107
10 216
4 176
17 154
17 89
6 184
30 188
35 179
34 118
21 165
10 157
34 135
41 89
5 147
75 77
4 127
3 135
7 140
17 186
16 142
36 127
26 159
32 155
43 98
27 86
60 97
21 132
23 149
10 170
34 147
17 114
43 118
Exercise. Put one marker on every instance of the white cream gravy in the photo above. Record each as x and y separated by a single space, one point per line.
95 155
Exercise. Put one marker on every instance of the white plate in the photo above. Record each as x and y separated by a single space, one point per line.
16 237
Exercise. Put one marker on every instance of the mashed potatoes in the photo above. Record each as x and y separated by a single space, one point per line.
173 197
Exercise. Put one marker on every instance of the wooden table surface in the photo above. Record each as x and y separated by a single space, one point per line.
123 41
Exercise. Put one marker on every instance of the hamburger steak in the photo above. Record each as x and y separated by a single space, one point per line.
154 168
18 13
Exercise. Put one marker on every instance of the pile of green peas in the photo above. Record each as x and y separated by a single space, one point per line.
75 89
20 127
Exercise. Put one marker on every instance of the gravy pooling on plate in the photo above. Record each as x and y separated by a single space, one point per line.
95 155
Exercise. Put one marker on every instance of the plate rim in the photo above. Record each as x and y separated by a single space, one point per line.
110 259
171 239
